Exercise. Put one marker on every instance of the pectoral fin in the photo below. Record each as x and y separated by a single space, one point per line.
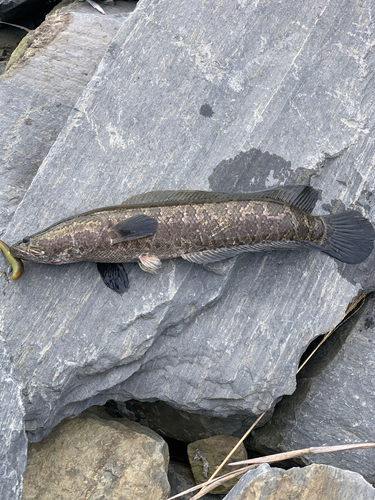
114 276
133 228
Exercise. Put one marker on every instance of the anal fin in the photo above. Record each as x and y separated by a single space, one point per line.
217 254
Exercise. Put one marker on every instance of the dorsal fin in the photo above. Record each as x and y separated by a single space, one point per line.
300 196
178 197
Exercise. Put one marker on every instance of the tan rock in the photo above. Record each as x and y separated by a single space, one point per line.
206 455
92 459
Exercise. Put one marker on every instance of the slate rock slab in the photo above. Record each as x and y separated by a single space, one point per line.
13 442
334 401
224 96
316 482
49 71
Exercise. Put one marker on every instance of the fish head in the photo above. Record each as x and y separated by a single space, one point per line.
37 249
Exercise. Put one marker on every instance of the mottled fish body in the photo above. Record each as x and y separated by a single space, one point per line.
198 226
181 230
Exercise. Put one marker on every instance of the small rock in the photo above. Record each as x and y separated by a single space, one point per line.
89 458
181 479
316 482
207 454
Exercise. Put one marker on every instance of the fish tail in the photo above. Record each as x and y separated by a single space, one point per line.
350 237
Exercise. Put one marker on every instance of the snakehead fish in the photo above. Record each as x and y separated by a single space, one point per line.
198 226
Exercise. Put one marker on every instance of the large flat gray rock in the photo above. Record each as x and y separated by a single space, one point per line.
194 98
334 401
52 67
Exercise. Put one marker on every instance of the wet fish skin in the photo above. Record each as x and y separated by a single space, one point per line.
198 226
180 230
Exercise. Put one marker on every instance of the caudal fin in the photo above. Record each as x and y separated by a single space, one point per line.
350 237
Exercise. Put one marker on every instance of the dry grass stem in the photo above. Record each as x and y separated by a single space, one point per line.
215 482
16 26
351 310
278 457
235 448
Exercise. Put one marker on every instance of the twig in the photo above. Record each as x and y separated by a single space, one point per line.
237 445
215 481
222 479
16 26
351 310
278 457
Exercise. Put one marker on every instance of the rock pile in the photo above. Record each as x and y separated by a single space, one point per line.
228 96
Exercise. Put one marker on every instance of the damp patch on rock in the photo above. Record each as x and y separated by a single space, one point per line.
206 111
253 170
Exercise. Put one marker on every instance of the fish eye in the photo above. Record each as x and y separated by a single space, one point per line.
26 240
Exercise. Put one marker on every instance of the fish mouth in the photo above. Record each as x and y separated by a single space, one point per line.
26 253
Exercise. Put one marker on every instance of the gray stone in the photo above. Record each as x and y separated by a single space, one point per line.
333 403
316 482
90 458
194 98
50 70
13 442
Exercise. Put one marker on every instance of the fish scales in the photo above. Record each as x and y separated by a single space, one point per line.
200 226
181 230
